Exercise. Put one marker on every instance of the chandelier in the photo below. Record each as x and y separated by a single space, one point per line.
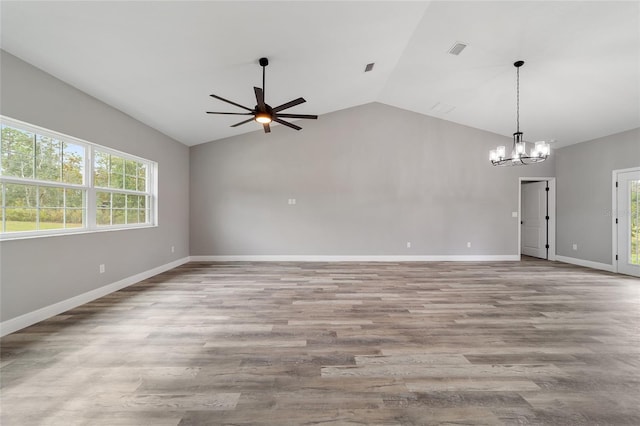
523 152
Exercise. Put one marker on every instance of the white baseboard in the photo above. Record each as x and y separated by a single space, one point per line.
365 258
585 263
25 320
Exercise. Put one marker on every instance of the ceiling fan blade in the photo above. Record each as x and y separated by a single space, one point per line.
230 102
289 104
286 123
242 122
259 98
230 113
313 117
266 127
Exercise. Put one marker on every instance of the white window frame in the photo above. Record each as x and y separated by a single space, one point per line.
90 208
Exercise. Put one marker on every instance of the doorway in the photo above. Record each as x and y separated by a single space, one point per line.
537 214
626 232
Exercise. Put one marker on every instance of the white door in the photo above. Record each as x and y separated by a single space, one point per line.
533 223
628 215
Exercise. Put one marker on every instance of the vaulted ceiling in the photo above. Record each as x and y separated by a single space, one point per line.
159 61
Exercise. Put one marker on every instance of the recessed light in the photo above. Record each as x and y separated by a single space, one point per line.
457 48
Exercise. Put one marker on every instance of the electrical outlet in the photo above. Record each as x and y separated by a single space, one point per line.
575 247
101 268
469 244
173 249
514 214
408 244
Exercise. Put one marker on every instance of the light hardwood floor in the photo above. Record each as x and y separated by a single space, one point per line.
529 342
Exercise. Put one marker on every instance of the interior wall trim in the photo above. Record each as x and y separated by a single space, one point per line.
30 318
362 258
586 263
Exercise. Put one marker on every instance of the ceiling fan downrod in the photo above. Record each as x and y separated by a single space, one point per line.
263 63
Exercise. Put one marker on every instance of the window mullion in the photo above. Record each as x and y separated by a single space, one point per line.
24 181
90 200
154 191
4 207
35 157
64 208
122 191
37 206
61 161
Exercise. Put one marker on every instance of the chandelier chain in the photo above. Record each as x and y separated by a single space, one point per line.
518 99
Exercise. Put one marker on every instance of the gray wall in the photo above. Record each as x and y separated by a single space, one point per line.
38 272
584 191
366 180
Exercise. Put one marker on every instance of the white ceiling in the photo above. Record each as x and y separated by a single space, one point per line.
159 60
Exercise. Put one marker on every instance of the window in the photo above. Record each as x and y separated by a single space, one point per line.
122 196
52 183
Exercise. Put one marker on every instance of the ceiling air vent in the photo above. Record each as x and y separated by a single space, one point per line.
369 67
457 48
442 108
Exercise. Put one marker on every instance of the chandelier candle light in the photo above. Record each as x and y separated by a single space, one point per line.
537 152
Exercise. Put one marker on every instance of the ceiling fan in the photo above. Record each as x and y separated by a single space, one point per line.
263 113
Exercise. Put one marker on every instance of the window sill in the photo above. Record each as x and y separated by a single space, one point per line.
61 233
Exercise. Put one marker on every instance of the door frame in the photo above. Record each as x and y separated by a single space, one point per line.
551 207
614 214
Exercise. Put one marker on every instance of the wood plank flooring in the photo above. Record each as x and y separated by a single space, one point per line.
510 343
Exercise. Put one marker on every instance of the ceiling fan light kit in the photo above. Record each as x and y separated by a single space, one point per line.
263 118
263 113
523 152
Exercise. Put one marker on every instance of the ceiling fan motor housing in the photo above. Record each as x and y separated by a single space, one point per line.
267 109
